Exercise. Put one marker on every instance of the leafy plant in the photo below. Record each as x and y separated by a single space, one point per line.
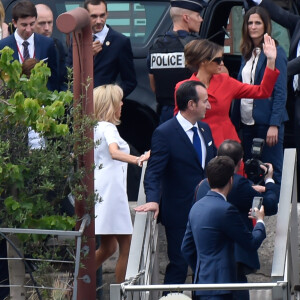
35 181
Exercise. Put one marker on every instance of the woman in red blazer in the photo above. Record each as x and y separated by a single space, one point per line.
207 58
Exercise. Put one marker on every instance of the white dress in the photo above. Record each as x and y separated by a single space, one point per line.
112 213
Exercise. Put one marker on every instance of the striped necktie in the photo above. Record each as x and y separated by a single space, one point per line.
25 51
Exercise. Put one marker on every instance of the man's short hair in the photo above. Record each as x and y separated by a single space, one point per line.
94 2
186 92
219 171
233 149
23 9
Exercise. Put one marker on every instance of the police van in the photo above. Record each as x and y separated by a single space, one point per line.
143 21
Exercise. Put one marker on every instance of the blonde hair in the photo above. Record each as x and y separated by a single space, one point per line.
198 51
107 100
2 13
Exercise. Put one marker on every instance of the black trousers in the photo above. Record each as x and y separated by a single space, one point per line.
216 297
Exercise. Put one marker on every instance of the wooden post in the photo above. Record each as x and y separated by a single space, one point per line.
77 21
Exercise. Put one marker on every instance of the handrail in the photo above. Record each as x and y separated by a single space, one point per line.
204 287
288 192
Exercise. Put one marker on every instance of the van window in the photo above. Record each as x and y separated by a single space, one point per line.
137 20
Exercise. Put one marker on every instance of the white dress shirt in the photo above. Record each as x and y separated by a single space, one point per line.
248 75
20 46
100 36
187 127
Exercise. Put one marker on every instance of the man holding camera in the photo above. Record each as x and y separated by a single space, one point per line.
241 196
214 228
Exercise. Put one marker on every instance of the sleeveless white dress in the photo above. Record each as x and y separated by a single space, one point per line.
112 213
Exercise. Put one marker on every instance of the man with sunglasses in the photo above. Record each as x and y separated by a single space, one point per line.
166 58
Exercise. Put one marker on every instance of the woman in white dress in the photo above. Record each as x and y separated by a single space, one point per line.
113 221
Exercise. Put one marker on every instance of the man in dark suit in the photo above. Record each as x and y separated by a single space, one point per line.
112 50
292 23
27 44
214 226
44 26
175 167
241 196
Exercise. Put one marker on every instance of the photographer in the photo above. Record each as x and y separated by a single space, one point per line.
241 196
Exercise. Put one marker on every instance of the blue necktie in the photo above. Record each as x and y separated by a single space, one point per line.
197 143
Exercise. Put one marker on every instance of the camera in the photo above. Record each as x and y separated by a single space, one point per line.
252 166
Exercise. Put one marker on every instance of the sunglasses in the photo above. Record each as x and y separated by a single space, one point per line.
218 60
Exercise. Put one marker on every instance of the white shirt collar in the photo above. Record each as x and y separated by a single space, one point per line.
185 124
222 195
100 36
20 40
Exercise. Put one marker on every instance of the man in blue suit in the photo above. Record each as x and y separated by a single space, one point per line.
112 50
241 196
27 44
174 169
214 226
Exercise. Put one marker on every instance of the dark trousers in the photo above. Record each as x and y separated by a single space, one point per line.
241 272
4 279
273 155
297 135
166 112
176 271
219 297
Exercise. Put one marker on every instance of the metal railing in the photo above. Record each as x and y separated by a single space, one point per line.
74 234
142 275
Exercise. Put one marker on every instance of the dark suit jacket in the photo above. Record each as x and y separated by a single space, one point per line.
241 196
269 111
115 59
44 48
61 63
291 22
174 170
213 227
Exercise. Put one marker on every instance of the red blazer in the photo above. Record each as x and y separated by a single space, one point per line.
221 91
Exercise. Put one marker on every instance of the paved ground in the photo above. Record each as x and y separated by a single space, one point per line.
263 275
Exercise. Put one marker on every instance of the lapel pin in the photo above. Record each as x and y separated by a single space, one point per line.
202 129
107 43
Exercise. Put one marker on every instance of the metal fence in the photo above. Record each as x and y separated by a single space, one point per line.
73 234
142 271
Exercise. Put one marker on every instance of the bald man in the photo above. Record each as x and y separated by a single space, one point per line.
44 26
44 22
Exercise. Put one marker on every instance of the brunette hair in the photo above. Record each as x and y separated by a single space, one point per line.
94 2
247 45
219 171
107 99
198 51
232 149
23 9
186 92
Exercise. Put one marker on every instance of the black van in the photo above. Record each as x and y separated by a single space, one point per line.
143 21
